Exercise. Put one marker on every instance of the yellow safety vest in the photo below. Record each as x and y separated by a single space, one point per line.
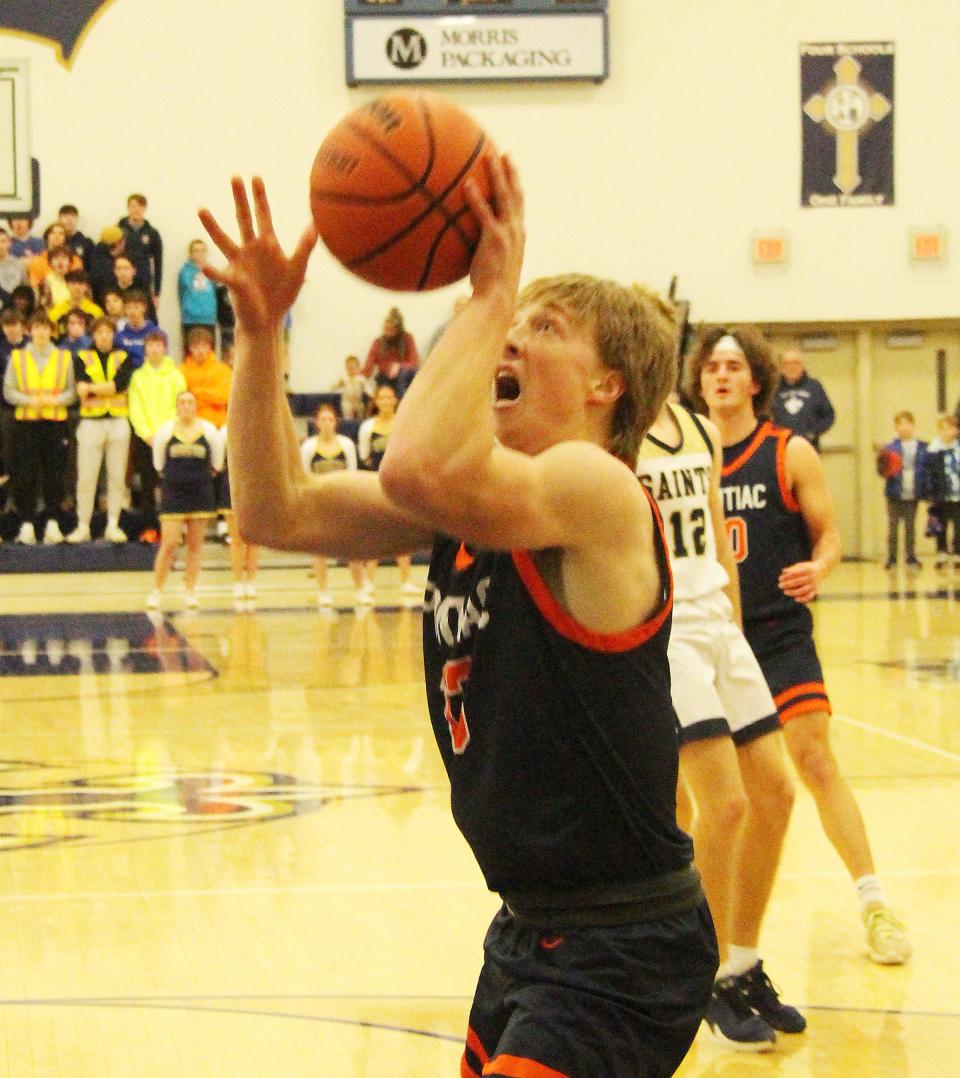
53 379
101 406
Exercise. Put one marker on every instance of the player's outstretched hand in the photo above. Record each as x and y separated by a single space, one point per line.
801 581
263 281
498 259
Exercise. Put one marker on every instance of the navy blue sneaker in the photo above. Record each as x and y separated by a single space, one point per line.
758 990
732 1020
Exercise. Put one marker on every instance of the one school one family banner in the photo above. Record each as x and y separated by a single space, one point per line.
846 98
62 24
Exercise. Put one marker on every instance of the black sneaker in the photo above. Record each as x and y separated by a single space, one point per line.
758 991
891 563
914 563
732 1020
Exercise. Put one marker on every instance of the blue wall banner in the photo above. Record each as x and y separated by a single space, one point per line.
846 101
63 25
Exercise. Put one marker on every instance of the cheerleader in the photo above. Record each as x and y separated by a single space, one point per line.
244 557
187 451
325 452
372 440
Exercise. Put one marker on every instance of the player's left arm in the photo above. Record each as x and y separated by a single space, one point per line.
715 503
807 482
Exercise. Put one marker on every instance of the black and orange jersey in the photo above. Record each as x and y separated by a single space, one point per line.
560 742
764 524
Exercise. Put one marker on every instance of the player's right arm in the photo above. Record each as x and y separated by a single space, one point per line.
807 482
341 514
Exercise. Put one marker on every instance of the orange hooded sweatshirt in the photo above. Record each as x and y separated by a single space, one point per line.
209 381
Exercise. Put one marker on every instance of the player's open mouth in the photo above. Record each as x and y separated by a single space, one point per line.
506 387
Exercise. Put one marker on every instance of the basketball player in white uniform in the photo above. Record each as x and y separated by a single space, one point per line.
731 747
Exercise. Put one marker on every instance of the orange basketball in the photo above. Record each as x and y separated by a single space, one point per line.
386 191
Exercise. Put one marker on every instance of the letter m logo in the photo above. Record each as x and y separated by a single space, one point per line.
406 48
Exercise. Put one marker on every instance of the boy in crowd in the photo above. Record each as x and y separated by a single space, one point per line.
78 285
22 243
355 390
144 246
75 337
13 336
102 374
197 294
783 531
132 337
903 464
207 378
53 289
154 389
100 264
39 384
113 307
944 489
81 245
13 271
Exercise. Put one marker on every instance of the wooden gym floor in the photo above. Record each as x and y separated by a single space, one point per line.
226 847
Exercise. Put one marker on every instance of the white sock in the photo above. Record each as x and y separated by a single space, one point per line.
740 959
870 892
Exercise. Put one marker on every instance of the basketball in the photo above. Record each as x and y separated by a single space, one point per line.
387 191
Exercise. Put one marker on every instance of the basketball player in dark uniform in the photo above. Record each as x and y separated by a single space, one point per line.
782 527
545 629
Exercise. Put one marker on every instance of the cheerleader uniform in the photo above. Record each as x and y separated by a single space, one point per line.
188 467
373 445
344 458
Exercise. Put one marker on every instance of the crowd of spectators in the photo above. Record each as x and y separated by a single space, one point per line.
914 471
89 377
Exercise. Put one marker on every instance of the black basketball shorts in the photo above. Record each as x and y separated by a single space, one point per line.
611 1002
788 657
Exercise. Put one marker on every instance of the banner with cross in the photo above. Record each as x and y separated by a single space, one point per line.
846 102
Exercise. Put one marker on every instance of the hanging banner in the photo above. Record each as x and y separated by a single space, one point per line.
63 25
846 100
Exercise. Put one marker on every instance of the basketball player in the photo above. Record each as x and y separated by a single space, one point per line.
731 746
545 629
783 531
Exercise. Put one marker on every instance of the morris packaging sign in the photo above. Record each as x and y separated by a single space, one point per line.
473 48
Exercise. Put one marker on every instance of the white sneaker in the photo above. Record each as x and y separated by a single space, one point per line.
153 600
80 534
115 534
411 589
239 590
190 600
324 598
364 597
52 534
26 535
251 590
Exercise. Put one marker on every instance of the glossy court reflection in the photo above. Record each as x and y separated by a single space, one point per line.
226 846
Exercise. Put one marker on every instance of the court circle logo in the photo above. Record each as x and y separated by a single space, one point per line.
406 48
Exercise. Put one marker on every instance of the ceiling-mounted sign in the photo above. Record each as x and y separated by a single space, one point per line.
424 41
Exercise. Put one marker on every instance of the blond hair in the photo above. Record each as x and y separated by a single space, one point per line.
635 332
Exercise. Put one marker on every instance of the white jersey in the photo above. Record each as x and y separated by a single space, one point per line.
679 478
